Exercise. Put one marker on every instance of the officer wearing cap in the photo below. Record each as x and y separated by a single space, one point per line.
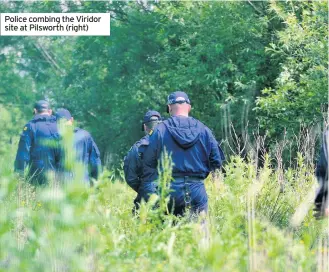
195 153
37 148
133 167
85 147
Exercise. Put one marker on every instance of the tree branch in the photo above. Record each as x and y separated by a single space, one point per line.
254 7
48 58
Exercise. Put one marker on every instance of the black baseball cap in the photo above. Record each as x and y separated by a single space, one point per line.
41 105
178 97
150 116
63 114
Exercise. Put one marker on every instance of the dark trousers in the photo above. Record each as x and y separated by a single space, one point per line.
185 193
188 193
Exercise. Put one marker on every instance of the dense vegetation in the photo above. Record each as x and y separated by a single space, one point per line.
256 73
254 223
254 65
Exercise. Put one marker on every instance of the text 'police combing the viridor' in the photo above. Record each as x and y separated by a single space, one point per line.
51 19
32 24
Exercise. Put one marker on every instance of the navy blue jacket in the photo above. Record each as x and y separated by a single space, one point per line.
38 146
133 165
194 149
87 153
321 173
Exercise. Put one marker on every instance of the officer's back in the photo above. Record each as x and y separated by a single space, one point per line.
133 166
194 152
133 162
192 146
38 145
86 150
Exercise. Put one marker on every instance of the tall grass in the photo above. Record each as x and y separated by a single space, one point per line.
255 224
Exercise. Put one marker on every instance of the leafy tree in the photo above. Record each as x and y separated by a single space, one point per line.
300 93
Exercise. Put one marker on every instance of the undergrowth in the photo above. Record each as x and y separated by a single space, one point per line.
257 222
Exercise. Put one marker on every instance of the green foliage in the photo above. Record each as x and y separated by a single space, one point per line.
240 62
300 93
77 228
231 58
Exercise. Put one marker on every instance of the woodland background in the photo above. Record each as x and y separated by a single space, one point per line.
249 67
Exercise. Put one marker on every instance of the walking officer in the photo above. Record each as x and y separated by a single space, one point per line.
195 153
86 150
38 145
133 167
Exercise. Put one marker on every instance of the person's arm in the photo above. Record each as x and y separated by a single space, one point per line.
130 167
216 157
151 156
23 152
94 159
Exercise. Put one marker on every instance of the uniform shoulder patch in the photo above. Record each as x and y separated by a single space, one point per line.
26 130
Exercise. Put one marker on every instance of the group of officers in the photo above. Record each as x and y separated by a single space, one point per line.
192 146
193 149
41 147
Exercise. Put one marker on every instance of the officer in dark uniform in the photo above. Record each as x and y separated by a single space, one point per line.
195 153
133 167
38 145
321 172
85 147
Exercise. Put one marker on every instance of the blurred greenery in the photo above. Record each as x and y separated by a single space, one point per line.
258 65
73 227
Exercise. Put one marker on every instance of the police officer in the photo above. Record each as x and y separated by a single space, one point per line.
133 167
37 148
195 153
321 172
85 147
